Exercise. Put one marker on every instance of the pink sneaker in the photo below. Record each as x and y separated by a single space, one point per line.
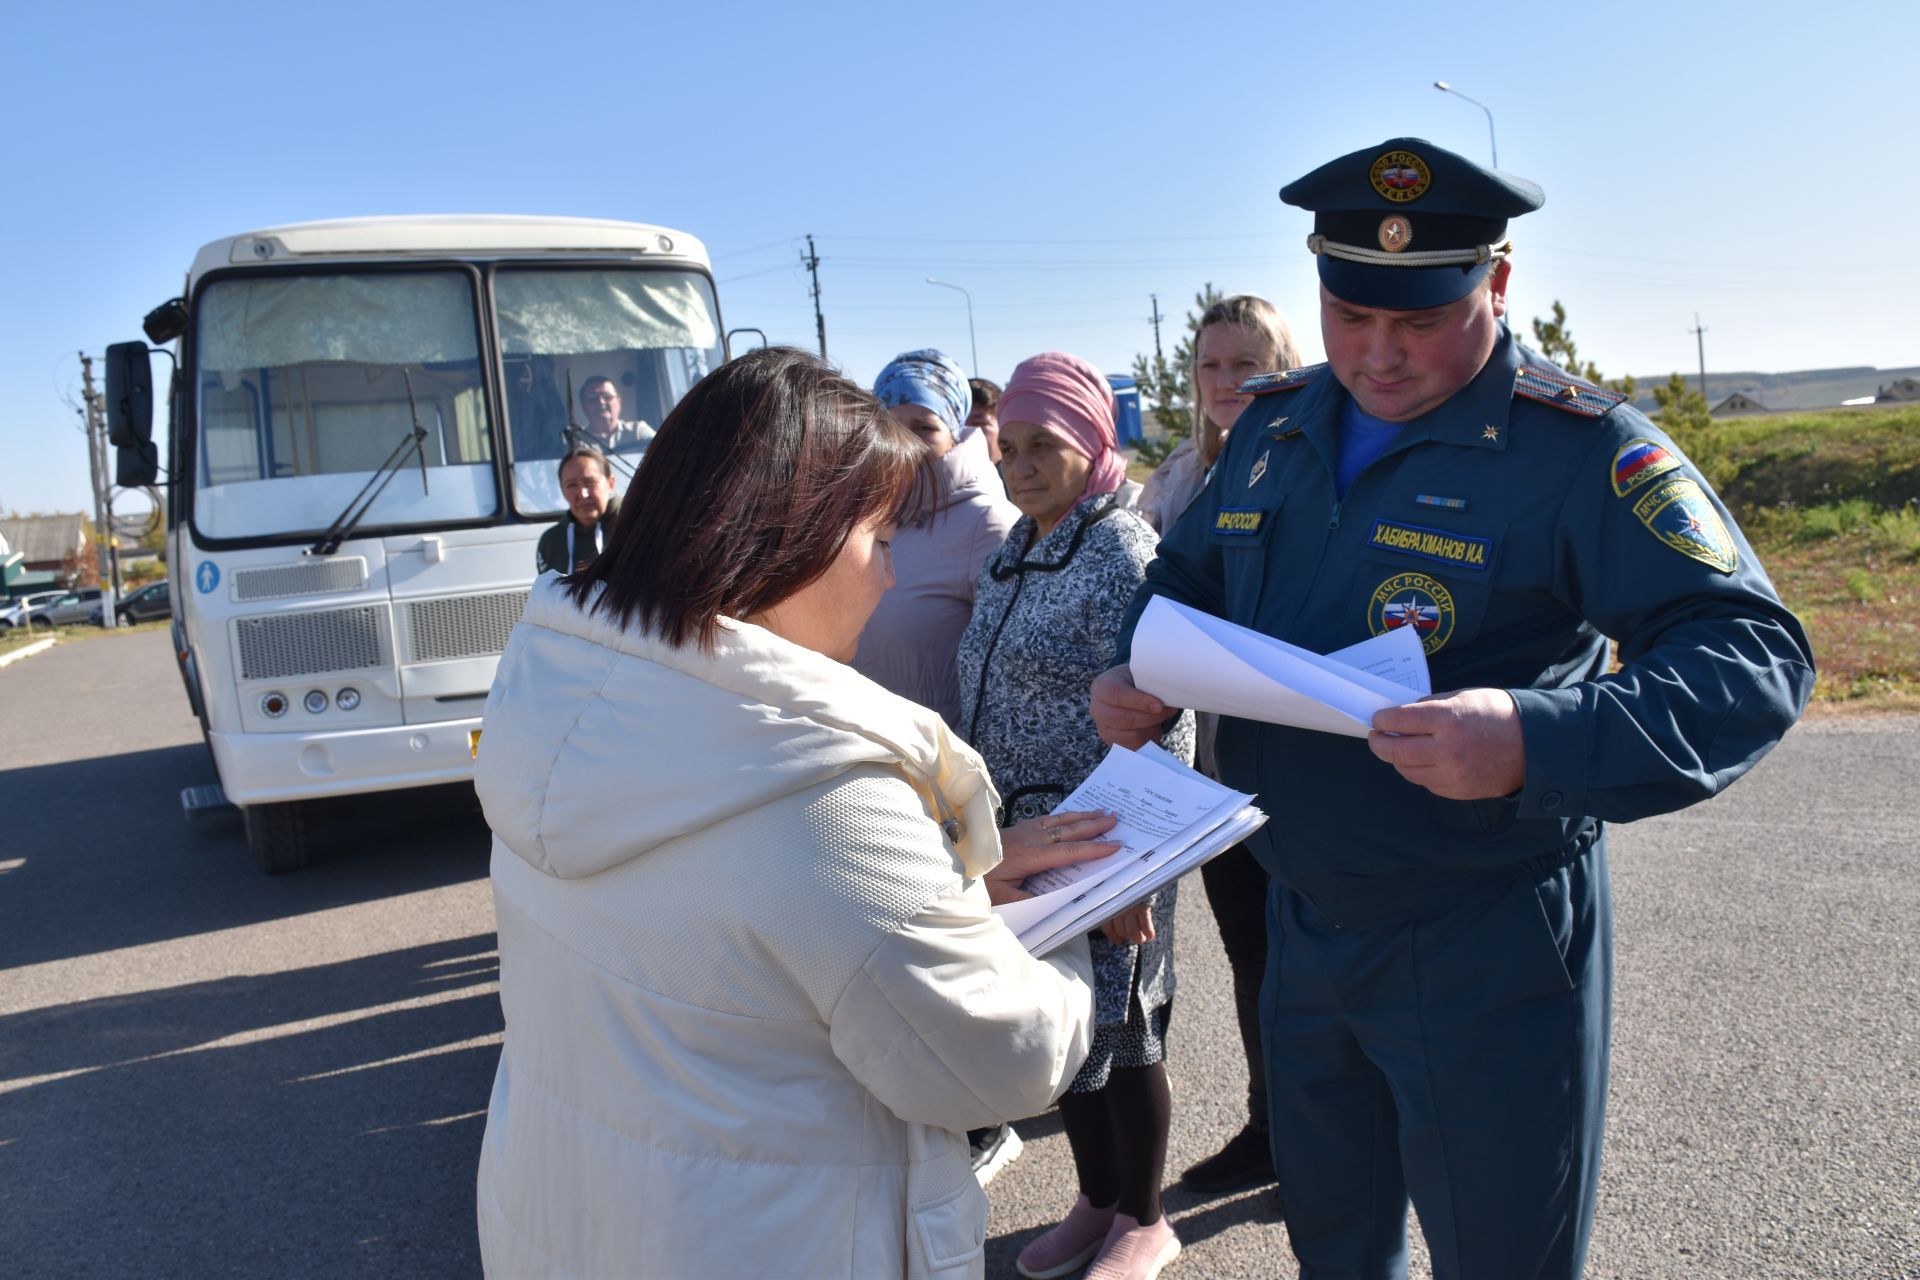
1134 1252
1067 1247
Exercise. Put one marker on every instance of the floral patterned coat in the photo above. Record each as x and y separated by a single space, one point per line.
1045 622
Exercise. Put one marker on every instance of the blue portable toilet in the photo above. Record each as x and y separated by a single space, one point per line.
1126 400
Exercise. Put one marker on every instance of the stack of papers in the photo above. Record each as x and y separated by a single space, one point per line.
1198 662
1171 819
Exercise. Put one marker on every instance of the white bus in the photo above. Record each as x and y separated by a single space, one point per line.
367 416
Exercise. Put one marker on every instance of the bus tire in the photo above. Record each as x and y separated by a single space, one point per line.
277 836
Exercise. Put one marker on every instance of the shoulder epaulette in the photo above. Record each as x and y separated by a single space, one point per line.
1562 391
1285 380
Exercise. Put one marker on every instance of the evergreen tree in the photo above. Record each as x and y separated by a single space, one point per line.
1554 340
1683 414
1166 386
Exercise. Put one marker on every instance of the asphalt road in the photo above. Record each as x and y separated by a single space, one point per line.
207 1072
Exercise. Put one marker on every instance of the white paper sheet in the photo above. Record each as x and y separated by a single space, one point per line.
1194 660
1169 815
1065 926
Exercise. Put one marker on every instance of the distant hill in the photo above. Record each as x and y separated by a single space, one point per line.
1805 389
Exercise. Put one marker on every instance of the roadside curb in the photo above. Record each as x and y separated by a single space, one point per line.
28 650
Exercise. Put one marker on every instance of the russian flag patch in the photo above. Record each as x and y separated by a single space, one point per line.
1638 462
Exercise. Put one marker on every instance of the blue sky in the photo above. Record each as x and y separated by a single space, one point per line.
1061 162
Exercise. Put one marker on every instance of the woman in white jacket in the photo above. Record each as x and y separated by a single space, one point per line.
753 989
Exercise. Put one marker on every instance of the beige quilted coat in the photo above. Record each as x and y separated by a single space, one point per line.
753 996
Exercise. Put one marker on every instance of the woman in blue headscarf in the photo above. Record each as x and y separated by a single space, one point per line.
910 643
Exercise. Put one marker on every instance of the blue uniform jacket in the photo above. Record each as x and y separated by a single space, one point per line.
1516 527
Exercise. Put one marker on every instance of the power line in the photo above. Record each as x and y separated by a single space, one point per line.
764 271
781 243
1260 235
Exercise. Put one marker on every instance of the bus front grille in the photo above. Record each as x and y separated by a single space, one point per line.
462 626
304 644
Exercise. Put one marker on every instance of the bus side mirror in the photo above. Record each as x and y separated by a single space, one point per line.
166 322
136 466
129 395
729 340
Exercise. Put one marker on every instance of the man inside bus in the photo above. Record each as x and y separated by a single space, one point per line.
600 401
586 478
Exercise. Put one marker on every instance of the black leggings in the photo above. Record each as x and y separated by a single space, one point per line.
1237 892
1118 1135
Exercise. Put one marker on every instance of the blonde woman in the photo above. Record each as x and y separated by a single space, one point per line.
1239 337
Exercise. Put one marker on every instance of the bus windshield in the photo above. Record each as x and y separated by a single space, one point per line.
303 392
597 356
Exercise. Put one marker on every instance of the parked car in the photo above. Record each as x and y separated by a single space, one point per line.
72 606
28 606
149 602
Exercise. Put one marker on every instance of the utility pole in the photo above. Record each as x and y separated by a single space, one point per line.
1699 337
811 261
102 499
1158 355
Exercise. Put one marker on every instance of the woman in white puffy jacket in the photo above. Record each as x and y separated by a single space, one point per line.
753 989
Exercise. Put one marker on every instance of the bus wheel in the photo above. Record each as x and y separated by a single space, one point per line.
277 836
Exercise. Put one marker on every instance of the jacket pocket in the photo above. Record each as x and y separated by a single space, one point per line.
953 1231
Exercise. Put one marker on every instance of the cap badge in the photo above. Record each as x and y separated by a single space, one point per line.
1396 233
1401 176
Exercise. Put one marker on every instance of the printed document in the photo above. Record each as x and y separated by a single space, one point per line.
1171 819
1196 661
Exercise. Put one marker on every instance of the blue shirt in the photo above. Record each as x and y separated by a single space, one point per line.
1362 438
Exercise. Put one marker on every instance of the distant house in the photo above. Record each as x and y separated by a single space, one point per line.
1900 389
1738 404
40 549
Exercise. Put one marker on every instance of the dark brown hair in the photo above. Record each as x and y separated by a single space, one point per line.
584 451
986 395
748 494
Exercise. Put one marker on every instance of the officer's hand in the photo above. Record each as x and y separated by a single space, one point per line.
1040 844
1463 746
1124 715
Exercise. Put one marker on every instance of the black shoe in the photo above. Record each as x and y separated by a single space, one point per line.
1246 1161
992 1150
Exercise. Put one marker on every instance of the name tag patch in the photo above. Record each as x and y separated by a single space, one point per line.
1456 550
1238 522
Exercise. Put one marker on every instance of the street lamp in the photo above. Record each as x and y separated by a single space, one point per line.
1444 87
971 344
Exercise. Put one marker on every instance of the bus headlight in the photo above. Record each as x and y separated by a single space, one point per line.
273 705
316 702
347 699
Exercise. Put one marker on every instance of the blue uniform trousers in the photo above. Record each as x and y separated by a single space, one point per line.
1460 1058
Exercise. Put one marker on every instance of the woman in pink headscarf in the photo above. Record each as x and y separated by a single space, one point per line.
1046 618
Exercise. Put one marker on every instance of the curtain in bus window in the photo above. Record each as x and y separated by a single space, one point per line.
562 312
371 319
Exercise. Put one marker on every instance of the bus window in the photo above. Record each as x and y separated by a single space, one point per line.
597 356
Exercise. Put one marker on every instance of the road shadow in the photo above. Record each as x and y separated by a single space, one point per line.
202 1130
68 886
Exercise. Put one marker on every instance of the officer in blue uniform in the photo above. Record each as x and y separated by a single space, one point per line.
1436 1004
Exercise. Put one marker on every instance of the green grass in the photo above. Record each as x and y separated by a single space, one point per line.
1831 503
